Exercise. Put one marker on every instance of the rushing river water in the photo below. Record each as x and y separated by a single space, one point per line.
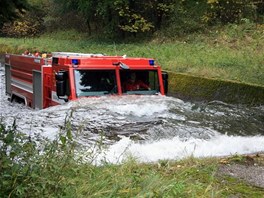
148 127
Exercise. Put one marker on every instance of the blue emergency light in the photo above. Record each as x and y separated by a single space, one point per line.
75 61
151 62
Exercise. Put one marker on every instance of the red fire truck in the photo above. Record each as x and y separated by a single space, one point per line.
44 82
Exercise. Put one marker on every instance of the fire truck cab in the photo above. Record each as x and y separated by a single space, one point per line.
44 82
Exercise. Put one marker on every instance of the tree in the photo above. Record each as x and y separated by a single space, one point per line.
117 17
28 23
9 10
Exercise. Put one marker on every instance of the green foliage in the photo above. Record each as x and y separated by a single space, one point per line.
119 17
230 11
10 10
183 18
28 24
170 18
125 18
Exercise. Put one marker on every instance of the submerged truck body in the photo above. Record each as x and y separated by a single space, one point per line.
44 82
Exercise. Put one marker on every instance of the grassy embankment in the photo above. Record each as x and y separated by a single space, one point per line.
25 171
231 53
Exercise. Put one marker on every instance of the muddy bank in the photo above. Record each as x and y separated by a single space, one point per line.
188 87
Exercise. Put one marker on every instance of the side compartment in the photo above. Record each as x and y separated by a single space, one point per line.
23 79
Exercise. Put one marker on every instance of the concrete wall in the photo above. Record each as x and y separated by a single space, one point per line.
188 87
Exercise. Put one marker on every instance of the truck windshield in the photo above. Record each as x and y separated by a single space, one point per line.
95 82
140 82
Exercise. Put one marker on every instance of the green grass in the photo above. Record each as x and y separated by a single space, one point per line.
232 52
187 178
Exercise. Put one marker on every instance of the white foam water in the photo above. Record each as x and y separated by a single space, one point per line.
175 148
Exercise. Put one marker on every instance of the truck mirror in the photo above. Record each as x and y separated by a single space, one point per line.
60 88
61 78
165 77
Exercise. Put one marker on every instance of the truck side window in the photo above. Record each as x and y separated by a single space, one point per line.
139 82
95 82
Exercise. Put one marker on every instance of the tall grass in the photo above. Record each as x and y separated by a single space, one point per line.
231 53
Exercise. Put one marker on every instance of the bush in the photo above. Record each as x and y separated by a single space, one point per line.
230 11
28 24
